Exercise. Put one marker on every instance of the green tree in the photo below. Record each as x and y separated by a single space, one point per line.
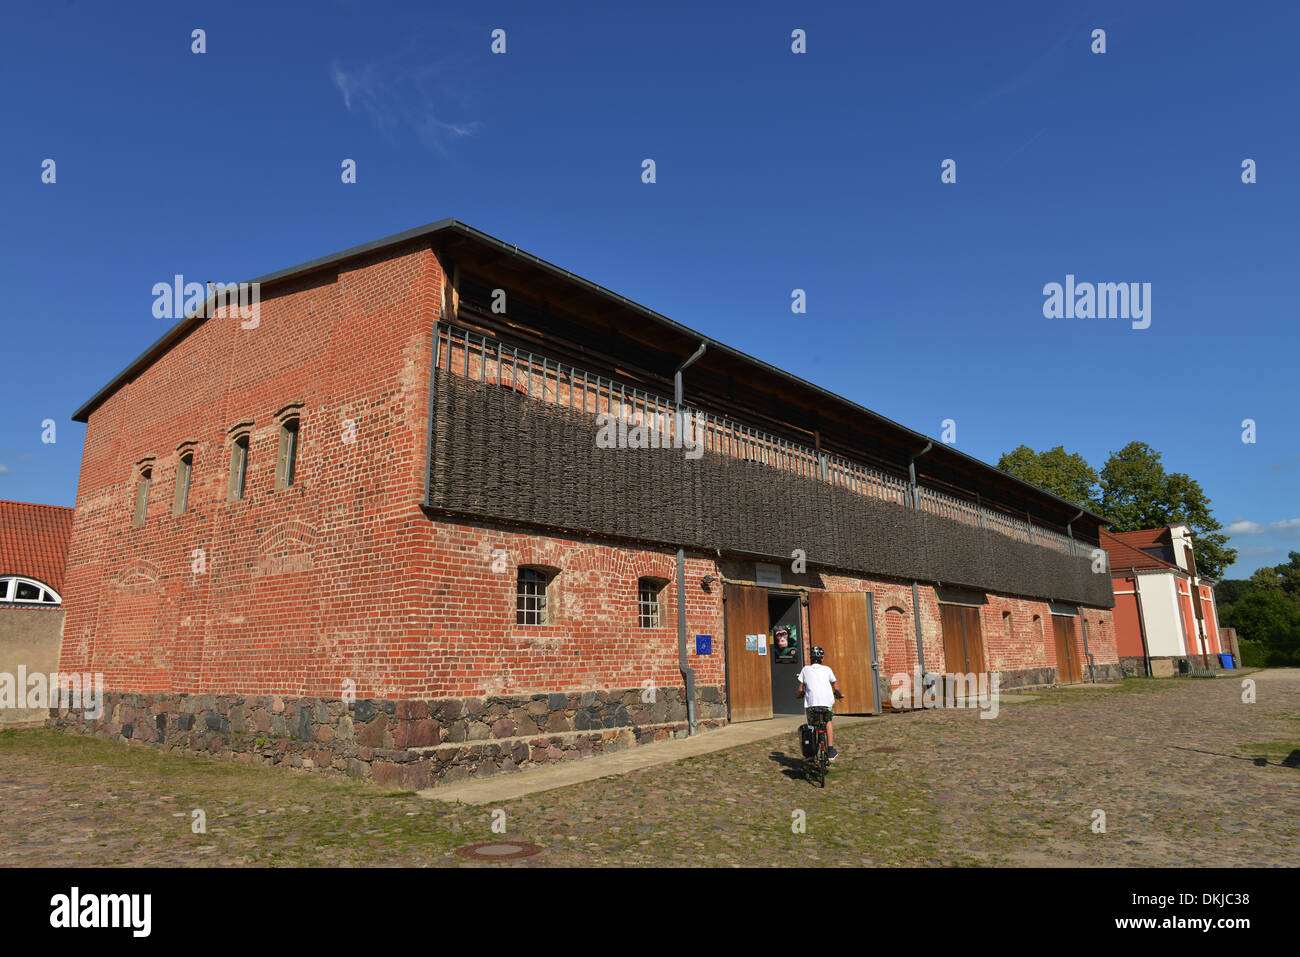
1065 474
1231 590
1228 592
1266 579
1289 575
1267 616
1137 493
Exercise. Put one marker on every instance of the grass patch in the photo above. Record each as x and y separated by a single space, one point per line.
139 800
1283 750
1086 692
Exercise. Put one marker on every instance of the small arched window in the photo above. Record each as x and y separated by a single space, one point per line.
286 462
17 590
238 467
184 470
143 479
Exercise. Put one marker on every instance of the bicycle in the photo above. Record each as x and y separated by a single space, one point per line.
819 761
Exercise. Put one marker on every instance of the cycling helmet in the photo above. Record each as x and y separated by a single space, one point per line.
818 653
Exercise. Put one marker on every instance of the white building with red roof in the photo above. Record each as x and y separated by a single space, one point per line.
1166 621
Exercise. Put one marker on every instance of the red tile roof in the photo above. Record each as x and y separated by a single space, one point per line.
1145 537
1125 549
34 541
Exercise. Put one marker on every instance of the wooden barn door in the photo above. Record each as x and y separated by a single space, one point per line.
1067 659
749 674
963 639
840 622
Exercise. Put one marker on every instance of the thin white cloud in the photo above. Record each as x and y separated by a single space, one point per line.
417 98
1287 527
4 469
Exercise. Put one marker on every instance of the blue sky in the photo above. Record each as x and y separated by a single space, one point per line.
775 171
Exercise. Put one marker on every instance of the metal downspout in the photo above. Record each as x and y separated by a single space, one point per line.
1083 618
916 601
688 673
1083 622
1069 530
920 647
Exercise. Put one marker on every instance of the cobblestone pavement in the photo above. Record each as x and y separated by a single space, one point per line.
1184 771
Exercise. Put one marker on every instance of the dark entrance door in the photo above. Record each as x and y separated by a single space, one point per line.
785 651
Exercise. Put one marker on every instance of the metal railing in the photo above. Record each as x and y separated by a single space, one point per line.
475 356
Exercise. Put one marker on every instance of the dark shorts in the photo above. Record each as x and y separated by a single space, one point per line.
807 716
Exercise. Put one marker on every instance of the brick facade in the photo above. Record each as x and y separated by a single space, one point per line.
239 626
287 590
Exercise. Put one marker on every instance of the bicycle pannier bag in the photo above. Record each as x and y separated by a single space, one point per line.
808 740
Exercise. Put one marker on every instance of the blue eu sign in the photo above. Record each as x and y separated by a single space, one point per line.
704 644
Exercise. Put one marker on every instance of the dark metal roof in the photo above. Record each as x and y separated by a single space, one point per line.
445 227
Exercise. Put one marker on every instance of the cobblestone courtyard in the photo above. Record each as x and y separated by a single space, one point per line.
1184 771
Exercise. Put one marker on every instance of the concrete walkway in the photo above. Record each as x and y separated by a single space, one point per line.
507 787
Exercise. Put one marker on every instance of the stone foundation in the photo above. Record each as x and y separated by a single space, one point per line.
397 743
1162 666
1047 677
1027 678
1109 672
1023 679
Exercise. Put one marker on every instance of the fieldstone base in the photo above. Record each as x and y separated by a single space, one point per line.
1027 678
1162 666
397 743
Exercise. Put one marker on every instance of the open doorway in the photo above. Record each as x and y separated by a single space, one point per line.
786 653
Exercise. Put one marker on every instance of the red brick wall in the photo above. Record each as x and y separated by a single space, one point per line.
292 578
463 636
342 576
1013 643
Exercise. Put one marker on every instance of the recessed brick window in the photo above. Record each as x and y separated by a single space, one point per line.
238 467
286 463
184 470
143 479
534 604
649 602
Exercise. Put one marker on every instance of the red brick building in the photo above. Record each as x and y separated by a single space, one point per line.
406 478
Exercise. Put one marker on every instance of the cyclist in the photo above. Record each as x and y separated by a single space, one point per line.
819 689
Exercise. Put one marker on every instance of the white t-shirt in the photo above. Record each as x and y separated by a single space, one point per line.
817 690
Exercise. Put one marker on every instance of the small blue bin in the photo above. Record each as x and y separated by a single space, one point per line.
1226 661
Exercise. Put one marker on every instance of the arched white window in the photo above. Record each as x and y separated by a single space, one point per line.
27 591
